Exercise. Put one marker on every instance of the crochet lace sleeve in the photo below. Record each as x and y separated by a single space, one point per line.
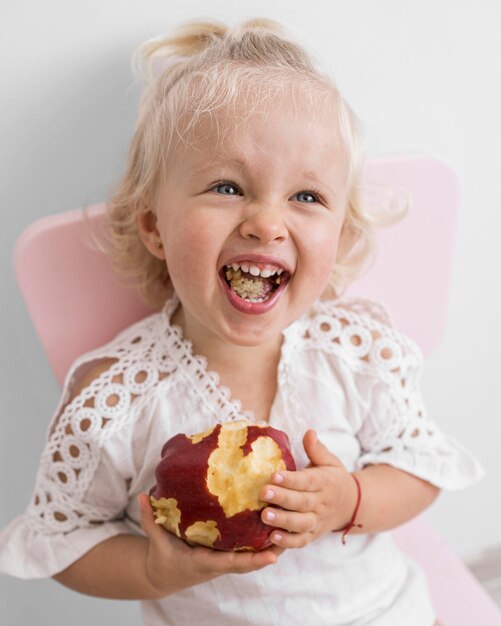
394 426
80 494
398 429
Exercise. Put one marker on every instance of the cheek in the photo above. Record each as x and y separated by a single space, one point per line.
184 232
192 247
323 248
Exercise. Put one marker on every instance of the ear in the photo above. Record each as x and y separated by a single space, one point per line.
146 222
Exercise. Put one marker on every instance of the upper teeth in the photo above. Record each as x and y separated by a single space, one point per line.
254 270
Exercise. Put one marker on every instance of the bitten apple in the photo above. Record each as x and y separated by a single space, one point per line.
208 485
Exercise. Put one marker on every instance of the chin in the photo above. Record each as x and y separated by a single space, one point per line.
254 337
254 330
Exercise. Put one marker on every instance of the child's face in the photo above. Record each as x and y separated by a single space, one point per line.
271 195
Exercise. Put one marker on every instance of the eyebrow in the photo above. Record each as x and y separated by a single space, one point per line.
241 164
313 176
214 164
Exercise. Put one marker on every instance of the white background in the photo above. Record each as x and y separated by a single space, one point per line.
423 76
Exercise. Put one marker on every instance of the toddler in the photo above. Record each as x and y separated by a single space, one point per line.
239 217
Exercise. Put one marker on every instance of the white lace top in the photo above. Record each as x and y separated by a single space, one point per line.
344 371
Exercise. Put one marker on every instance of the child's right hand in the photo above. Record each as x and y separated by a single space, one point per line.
172 565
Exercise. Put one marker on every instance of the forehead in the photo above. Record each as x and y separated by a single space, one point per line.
292 130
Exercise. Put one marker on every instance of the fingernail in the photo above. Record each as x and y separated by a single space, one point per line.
269 494
270 516
278 478
277 538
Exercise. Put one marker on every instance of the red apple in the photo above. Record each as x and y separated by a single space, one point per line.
208 485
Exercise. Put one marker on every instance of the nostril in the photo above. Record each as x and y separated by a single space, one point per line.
264 239
264 226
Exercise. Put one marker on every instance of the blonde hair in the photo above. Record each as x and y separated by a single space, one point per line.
199 69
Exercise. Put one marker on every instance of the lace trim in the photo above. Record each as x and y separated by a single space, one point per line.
213 399
361 307
371 347
204 387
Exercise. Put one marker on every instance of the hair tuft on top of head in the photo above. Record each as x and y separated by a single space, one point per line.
193 38
259 24
187 40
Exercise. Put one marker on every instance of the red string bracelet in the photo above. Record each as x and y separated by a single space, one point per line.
352 523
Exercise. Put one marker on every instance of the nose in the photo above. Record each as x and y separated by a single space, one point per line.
264 224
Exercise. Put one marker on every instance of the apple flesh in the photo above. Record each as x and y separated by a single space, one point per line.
208 485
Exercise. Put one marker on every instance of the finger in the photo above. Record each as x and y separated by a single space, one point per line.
219 562
253 561
317 452
289 520
147 518
301 480
301 501
291 540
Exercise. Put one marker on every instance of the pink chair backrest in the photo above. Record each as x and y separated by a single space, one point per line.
76 303
412 271
73 297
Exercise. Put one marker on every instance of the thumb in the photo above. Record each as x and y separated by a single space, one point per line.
317 452
147 517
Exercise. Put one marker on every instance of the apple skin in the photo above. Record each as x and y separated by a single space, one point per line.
183 475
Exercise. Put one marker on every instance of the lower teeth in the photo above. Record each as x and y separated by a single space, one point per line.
253 300
254 289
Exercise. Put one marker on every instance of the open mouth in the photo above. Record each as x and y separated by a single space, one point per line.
255 283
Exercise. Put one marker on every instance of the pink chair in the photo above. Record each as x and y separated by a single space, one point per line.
76 304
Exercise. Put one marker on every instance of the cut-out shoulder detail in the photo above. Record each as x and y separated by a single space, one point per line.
93 374
89 377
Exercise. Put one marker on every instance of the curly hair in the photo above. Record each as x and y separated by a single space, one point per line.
201 68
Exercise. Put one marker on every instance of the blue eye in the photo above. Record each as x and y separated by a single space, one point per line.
308 197
226 189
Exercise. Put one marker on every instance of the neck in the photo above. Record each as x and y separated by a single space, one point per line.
223 356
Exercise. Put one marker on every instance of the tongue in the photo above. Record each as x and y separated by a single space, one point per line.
248 286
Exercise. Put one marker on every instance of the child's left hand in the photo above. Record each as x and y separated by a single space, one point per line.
317 500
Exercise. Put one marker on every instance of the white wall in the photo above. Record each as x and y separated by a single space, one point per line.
423 76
